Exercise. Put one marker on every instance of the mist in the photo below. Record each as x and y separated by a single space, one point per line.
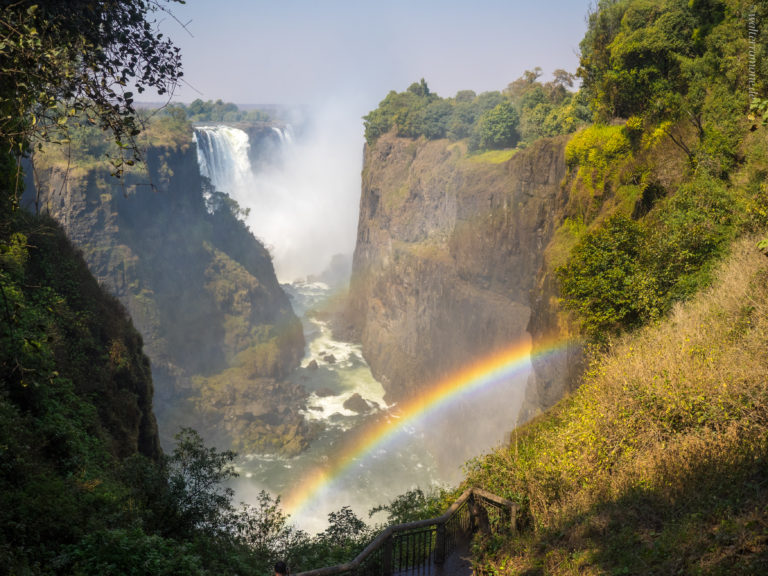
304 205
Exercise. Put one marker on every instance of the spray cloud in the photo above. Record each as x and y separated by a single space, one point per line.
304 205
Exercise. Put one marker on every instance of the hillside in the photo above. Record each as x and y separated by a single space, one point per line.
657 464
76 395
219 330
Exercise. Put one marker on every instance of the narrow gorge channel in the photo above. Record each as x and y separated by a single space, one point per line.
371 446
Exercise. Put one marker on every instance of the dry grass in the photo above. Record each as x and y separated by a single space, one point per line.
665 441
493 156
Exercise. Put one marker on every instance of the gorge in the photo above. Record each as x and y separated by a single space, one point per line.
555 292
450 249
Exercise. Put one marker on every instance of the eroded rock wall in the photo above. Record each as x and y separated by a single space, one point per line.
449 255
200 288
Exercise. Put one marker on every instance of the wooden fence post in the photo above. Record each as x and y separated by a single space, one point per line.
440 544
386 558
513 508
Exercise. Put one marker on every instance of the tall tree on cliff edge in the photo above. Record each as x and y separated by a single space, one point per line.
63 61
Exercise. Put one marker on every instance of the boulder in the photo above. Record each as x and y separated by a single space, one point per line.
357 403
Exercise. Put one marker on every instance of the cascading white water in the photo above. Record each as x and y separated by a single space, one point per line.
285 134
302 200
222 154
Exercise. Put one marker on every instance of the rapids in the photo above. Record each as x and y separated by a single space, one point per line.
299 204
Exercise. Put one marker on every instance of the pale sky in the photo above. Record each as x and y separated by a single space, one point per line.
296 52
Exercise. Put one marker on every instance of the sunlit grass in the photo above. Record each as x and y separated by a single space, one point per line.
493 156
659 452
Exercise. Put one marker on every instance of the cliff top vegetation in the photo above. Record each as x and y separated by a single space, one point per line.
524 111
218 111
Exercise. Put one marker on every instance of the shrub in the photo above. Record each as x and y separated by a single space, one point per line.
498 127
597 151
604 280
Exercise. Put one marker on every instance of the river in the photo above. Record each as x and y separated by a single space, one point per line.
389 454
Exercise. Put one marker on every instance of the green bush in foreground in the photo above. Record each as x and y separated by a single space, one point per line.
625 272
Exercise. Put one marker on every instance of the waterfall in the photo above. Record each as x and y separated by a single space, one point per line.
222 154
301 189
285 134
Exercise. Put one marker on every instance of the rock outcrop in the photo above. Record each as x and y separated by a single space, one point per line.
449 258
200 288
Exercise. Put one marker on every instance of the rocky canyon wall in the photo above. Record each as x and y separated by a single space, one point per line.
200 288
449 264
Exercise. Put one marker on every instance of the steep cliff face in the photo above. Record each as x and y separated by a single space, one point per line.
217 326
449 252
71 362
550 327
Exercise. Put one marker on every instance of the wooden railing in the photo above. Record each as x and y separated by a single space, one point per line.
422 546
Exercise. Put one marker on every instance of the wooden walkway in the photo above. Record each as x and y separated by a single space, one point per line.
432 547
458 563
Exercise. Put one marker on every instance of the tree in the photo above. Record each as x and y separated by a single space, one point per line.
603 280
465 96
413 505
62 60
563 78
420 88
498 127
196 479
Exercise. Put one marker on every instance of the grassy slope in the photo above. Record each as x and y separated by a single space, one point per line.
658 463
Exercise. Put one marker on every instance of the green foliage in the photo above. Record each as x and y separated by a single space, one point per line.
498 127
677 71
72 377
679 63
491 120
414 505
56 66
346 536
595 147
131 552
604 282
196 482
625 273
407 112
596 152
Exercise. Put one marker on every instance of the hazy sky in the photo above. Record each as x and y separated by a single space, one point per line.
336 60
296 52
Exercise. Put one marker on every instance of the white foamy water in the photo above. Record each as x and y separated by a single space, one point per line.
374 478
304 204
222 155
304 207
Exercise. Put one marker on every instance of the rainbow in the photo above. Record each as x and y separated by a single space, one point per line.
509 362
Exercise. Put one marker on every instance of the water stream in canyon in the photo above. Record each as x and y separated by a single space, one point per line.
409 449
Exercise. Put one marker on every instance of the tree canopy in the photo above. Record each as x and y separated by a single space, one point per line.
62 60
526 110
